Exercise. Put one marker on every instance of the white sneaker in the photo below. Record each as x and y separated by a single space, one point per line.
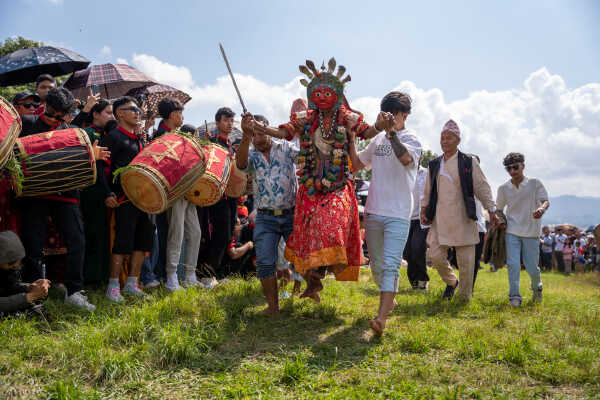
423 285
172 284
191 281
209 283
151 284
80 300
515 302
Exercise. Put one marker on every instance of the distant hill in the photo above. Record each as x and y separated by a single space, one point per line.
580 211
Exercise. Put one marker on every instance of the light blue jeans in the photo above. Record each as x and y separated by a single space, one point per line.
386 238
531 253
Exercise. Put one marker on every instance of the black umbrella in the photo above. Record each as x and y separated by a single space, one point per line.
25 65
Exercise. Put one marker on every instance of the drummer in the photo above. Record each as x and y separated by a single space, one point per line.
133 228
62 207
271 164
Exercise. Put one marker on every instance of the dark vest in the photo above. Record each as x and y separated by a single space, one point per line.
465 172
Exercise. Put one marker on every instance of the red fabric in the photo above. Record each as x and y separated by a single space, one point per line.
58 198
243 211
42 142
6 121
40 109
126 132
326 230
165 127
52 126
172 155
9 214
232 244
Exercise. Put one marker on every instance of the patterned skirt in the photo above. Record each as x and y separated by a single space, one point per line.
326 233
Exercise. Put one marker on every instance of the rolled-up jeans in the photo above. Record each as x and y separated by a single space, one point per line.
386 238
268 229
531 254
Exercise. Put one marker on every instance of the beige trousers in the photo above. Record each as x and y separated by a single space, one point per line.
465 256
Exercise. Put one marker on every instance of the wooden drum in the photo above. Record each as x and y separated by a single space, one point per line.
210 187
163 172
10 128
237 183
54 162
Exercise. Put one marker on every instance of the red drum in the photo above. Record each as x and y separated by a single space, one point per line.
10 127
210 187
237 183
163 172
54 162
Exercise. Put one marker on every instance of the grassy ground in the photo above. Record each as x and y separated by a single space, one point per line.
201 344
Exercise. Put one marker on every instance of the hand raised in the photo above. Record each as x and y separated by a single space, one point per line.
100 153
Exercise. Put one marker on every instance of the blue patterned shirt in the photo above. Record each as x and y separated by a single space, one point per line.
275 184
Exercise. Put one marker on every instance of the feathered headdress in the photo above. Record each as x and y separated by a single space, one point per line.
325 77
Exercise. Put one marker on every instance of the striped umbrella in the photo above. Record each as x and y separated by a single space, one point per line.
110 80
150 96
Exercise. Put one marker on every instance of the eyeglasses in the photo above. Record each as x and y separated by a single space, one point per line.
132 108
29 105
514 167
53 116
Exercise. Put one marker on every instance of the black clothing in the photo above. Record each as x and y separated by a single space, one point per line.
67 218
13 292
123 147
133 230
414 253
222 217
465 172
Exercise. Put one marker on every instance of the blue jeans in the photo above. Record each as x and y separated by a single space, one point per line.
386 238
531 254
147 273
268 229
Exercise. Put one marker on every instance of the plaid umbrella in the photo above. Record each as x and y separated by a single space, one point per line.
110 80
235 135
150 96
25 65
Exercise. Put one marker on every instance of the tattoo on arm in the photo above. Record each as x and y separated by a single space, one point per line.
397 146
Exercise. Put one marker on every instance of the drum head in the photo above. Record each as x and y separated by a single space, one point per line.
144 190
206 192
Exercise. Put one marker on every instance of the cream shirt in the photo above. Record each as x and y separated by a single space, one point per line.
520 204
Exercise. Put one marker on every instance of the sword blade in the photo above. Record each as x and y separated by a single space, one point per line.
232 78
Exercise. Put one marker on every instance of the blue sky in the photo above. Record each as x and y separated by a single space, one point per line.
516 75
457 46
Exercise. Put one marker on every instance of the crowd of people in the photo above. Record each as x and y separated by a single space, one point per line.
300 221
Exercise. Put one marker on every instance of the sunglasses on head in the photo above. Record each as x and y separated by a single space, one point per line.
132 108
514 167
30 105
54 117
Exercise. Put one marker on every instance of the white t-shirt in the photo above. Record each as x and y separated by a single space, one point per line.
560 241
418 192
390 191
520 204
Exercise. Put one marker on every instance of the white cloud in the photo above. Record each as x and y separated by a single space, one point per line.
105 51
554 126
122 61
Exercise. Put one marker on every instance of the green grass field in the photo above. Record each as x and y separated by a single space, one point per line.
214 344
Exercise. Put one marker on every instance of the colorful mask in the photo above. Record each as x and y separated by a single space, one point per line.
325 90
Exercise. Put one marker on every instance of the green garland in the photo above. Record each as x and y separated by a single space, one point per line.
16 171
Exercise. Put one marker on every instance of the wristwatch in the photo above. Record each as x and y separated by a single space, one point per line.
390 134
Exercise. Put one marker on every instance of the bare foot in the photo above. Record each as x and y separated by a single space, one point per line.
377 326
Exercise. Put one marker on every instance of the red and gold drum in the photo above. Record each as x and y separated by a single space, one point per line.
237 183
54 162
10 127
163 172
210 187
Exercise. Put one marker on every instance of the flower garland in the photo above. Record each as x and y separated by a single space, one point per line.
337 174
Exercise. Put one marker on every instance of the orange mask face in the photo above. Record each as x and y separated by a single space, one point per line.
323 97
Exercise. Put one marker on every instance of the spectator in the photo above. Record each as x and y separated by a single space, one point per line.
578 256
43 84
63 208
133 228
26 103
567 252
559 243
546 248
14 294
222 215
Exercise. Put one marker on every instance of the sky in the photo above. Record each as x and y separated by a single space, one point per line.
516 76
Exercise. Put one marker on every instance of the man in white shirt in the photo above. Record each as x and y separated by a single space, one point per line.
416 245
393 156
526 200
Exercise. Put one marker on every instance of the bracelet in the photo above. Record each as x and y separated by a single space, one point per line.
376 128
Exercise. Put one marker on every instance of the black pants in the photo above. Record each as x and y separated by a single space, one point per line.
478 252
546 261
162 228
414 253
222 217
68 221
560 261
